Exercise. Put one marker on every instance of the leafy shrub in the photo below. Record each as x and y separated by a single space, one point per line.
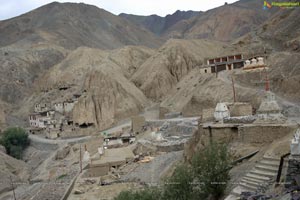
15 140
179 185
211 170
146 194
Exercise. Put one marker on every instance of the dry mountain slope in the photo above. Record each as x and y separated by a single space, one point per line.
159 25
161 72
20 66
11 167
72 25
223 23
281 32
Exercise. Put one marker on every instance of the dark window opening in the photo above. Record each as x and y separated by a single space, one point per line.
85 125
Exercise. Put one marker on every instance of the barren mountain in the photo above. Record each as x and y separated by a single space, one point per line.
281 32
72 25
223 23
159 25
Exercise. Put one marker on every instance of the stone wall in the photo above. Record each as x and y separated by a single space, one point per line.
220 134
228 133
172 115
208 115
293 172
260 134
162 112
240 109
96 171
255 134
137 123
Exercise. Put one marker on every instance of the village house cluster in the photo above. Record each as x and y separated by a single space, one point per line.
52 119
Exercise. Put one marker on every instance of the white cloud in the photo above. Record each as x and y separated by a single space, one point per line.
13 8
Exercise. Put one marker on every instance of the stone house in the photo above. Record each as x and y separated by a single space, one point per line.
41 107
215 65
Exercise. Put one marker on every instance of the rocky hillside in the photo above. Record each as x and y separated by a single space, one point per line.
72 25
20 66
101 78
174 60
223 23
159 25
280 32
10 167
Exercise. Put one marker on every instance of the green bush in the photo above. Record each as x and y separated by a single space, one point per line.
179 185
211 170
146 194
15 140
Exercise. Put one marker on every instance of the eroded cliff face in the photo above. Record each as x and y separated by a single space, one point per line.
107 99
161 72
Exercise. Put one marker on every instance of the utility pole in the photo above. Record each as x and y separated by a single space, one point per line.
233 89
80 160
13 188
267 86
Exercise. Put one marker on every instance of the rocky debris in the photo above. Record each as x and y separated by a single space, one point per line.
77 191
2 149
240 120
152 172
90 181
62 153
254 196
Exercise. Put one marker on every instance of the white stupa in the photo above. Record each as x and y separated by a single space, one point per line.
269 111
253 62
221 112
295 144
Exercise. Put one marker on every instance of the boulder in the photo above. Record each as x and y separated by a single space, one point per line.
63 153
2 149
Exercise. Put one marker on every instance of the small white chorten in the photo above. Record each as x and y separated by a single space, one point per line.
260 61
221 112
253 62
247 63
295 144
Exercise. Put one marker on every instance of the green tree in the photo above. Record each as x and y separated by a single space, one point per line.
152 193
15 140
211 171
179 185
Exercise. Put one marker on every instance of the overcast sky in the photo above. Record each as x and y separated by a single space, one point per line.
12 8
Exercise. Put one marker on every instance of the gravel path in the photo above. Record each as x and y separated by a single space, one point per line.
152 172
